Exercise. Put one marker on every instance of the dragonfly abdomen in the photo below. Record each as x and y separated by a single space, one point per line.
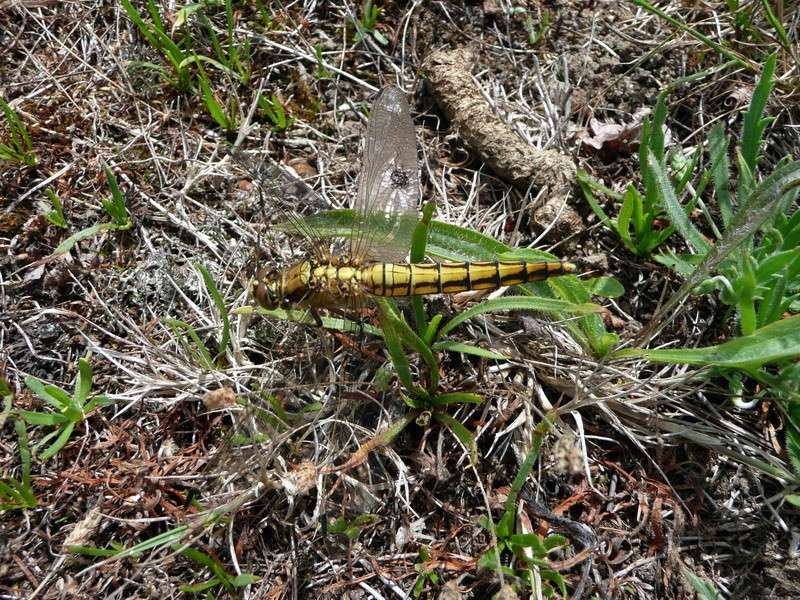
417 279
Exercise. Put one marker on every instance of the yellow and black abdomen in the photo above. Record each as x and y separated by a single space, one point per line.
394 279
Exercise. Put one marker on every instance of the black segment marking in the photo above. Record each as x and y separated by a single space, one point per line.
458 284
517 273
438 277
417 267
410 282
525 274
493 279
478 284
542 272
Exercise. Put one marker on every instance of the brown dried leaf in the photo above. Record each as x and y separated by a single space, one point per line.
219 398
613 137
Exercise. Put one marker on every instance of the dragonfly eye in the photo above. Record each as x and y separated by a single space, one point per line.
266 289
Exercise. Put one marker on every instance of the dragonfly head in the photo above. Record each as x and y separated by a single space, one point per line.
268 289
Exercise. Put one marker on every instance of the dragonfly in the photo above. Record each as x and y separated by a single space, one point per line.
385 214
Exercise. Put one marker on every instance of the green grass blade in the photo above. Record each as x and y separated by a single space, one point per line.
626 210
116 206
430 331
59 443
450 242
83 234
7 395
201 353
24 452
589 330
419 241
196 588
47 419
745 180
705 589
588 186
182 15
229 25
100 400
394 347
60 397
205 560
169 49
213 38
19 135
532 303
302 316
783 37
54 396
753 126
539 433
676 212
793 431
167 538
83 383
775 342
448 346
244 579
216 297
411 340
656 139
199 58
772 304
92 551
456 398
214 108
143 27
721 171
462 433
10 498
55 216
155 15
21 148
745 287
604 287
685 169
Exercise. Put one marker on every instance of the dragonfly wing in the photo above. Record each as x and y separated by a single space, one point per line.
284 198
385 211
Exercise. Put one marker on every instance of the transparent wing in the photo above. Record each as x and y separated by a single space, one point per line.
385 210
285 198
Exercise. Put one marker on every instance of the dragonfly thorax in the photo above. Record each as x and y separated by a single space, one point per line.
309 283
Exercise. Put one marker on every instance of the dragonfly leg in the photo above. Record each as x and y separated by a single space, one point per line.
315 315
